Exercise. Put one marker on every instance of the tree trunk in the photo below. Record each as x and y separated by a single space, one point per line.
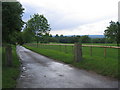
9 55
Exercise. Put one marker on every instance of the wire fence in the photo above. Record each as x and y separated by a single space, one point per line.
87 50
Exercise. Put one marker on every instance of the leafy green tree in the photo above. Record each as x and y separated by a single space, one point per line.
11 21
56 35
99 40
85 39
45 38
28 35
38 24
113 32
11 26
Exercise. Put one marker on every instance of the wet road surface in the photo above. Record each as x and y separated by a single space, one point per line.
41 72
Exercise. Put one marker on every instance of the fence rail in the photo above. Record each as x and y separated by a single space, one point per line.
89 50
87 45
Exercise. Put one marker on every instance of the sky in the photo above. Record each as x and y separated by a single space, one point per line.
74 17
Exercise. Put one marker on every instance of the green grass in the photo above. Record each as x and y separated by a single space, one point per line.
97 62
51 53
10 74
111 53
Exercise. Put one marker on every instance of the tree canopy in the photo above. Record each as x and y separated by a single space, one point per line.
11 21
37 26
113 32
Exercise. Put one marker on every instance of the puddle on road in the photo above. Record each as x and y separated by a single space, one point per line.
22 76
24 68
61 75
60 66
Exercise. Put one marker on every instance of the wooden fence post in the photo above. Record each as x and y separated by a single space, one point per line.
44 46
105 52
78 52
91 51
40 45
65 48
60 47
73 50
50 46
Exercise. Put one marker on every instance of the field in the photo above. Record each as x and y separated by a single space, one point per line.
10 74
97 62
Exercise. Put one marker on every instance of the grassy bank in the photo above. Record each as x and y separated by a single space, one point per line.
10 74
104 66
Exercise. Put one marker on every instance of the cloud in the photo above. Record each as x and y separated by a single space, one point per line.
66 15
96 28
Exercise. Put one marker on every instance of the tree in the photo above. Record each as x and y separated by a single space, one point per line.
11 20
85 39
113 32
28 35
11 26
38 24
56 35
45 38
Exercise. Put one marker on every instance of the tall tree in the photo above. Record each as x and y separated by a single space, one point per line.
11 25
38 24
113 32
11 20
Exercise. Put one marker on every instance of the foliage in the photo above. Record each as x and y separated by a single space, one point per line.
27 35
37 26
73 39
11 21
85 39
113 32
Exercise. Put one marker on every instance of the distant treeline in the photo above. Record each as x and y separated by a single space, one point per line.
71 39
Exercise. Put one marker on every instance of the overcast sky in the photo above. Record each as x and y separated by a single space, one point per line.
74 17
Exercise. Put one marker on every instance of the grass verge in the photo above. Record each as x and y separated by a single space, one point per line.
106 67
10 74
